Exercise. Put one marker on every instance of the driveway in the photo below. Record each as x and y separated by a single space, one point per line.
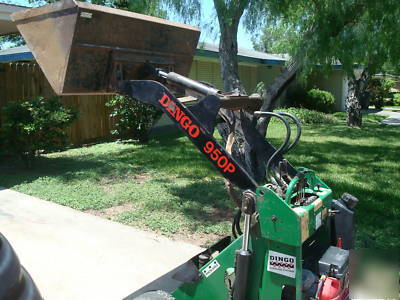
73 255
393 115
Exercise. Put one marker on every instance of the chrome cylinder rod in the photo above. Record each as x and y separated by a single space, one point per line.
246 232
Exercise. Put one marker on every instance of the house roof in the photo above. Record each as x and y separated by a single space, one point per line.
16 54
245 55
6 25
203 49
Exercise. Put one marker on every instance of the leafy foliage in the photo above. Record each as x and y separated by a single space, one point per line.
35 124
320 100
13 39
396 99
134 119
350 31
186 9
152 7
379 89
276 37
307 116
296 95
313 99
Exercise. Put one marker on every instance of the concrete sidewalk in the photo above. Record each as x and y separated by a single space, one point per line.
73 255
393 116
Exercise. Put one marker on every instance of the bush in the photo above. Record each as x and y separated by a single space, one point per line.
320 100
379 89
296 96
307 116
314 99
35 124
134 119
396 99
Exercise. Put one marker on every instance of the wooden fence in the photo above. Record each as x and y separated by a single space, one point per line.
25 80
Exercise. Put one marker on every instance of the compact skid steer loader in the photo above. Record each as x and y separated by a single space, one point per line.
295 239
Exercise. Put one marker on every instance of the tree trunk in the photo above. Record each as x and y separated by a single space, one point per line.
228 49
240 127
353 107
273 92
356 90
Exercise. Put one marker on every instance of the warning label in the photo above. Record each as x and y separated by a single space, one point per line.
282 264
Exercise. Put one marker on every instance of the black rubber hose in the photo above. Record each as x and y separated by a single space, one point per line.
236 231
298 134
237 223
285 142
233 228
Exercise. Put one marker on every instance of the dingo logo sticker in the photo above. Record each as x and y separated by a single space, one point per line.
281 264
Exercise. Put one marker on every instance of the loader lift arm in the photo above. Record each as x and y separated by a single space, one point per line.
197 122
200 135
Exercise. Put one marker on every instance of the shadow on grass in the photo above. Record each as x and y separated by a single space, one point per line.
363 162
380 131
61 167
370 172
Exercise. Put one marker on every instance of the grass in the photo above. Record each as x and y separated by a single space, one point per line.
367 118
167 186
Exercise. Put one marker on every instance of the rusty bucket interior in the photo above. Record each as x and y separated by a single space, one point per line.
84 48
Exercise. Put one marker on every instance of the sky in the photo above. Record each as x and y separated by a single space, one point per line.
208 17
208 11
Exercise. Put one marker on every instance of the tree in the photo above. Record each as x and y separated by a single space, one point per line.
353 32
13 39
276 37
240 124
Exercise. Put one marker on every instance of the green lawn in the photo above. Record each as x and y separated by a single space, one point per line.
367 118
168 187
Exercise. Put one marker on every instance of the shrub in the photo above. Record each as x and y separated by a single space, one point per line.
379 89
320 100
396 99
314 99
35 124
134 119
307 116
296 96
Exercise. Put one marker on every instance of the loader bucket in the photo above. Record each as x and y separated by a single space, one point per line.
84 48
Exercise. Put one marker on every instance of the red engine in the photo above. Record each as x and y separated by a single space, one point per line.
332 290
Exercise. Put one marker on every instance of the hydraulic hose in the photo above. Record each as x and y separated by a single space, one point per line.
285 142
290 188
298 133
236 230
